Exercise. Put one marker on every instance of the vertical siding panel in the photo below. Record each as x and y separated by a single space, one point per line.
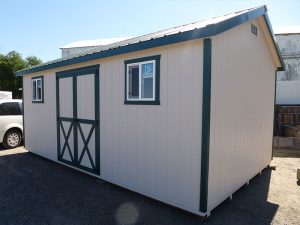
117 77
241 115
40 115
105 152
197 123
172 123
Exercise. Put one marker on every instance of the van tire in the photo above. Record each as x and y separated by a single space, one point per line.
12 139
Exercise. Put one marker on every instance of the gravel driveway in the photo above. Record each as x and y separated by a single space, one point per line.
36 191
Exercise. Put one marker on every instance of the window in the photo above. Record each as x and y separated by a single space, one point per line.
142 81
38 89
10 109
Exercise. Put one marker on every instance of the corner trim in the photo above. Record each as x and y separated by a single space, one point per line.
206 100
23 114
274 111
282 68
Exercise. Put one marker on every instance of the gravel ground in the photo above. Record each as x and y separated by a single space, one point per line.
36 191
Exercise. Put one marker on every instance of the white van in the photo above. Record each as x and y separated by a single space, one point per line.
11 123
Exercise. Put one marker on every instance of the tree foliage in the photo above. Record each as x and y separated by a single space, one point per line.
11 63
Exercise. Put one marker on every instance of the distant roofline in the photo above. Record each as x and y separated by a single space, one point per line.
287 30
286 33
90 46
176 35
94 43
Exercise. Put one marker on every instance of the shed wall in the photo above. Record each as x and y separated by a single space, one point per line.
40 119
151 149
156 149
242 104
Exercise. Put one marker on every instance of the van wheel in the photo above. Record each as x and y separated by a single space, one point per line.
12 139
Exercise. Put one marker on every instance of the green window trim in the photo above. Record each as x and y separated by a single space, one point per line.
156 93
42 91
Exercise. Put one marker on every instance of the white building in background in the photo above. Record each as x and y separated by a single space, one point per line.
288 81
5 95
79 46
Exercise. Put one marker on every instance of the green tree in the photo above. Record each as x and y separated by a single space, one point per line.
11 63
33 61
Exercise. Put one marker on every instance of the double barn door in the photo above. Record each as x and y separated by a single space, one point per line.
77 99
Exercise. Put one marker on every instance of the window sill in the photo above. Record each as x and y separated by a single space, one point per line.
34 101
126 102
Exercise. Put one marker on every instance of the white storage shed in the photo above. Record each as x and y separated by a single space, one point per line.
184 115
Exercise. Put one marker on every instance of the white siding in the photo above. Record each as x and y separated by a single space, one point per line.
242 103
40 118
155 150
151 149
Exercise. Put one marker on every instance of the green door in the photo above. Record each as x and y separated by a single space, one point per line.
77 102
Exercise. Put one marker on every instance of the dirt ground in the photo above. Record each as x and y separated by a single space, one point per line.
284 188
37 191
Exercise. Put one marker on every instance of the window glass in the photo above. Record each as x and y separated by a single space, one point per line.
133 90
21 107
33 89
147 80
10 108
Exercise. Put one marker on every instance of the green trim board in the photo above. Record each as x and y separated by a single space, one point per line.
157 41
282 105
156 101
58 118
274 118
206 102
75 122
142 102
266 17
23 114
78 71
42 78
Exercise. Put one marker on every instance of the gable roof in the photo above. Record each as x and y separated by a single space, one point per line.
191 31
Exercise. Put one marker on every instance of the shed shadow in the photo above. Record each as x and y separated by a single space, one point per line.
44 192
249 204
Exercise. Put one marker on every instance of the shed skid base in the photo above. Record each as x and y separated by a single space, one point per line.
272 166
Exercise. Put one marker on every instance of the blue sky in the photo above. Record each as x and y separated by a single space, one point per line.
40 27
